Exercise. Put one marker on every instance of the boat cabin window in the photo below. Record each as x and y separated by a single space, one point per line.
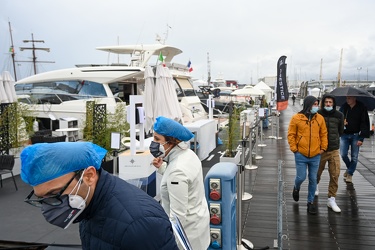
183 87
59 91
123 91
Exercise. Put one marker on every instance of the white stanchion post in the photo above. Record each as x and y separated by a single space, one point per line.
250 166
257 157
245 196
239 212
210 107
278 126
272 127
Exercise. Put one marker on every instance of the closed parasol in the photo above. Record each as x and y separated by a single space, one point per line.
149 98
9 86
165 98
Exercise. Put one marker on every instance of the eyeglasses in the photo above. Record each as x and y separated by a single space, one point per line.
53 200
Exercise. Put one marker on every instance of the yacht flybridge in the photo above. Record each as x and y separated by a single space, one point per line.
63 93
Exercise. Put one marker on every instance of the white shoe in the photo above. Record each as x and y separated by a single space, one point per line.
331 203
317 190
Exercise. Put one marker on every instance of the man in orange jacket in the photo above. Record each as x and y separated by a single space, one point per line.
307 138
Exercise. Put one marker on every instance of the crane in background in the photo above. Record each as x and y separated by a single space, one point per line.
208 69
339 73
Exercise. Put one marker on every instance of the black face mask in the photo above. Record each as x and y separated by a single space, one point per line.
64 214
156 149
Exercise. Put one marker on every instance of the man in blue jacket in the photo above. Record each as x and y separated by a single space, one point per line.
69 186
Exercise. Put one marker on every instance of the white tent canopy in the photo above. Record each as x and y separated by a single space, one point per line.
314 92
248 91
265 88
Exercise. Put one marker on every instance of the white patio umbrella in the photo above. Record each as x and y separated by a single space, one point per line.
3 94
149 98
165 98
9 83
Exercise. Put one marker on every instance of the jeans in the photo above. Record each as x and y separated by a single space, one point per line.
346 141
302 164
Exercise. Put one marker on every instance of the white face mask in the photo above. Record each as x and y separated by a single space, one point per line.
314 110
328 108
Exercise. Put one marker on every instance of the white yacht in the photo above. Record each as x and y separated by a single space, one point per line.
63 93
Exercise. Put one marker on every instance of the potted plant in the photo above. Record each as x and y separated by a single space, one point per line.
105 124
232 135
15 127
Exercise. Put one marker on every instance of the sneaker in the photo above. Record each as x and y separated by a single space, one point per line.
331 203
311 208
317 190
345 175
295 194
349 178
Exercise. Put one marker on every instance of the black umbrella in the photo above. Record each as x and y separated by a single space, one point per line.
361 95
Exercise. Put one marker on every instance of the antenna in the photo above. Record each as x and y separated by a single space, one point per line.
159 39
208 69
33 48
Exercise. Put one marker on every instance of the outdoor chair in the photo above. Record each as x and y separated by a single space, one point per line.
52 139
6 167
37 139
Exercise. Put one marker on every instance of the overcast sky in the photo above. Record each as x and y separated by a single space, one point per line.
244 38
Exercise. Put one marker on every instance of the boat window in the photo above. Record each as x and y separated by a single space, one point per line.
178 89
184 83
92 88
75 88
185 86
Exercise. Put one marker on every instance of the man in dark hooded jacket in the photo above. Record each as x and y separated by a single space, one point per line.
307 138
335 126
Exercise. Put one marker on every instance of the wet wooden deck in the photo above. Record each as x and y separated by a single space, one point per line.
353 228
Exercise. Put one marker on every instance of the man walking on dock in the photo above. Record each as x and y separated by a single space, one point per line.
335 126
357 127
307 138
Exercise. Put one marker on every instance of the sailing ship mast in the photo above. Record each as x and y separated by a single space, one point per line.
12 51
33 48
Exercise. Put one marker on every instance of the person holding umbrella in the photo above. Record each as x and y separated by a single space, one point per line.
307 138
335 125
356 128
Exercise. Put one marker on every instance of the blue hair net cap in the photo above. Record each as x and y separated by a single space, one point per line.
169 127
43 162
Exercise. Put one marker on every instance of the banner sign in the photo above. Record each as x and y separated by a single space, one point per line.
282 94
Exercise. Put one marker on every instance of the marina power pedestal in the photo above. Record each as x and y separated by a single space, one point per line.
220 187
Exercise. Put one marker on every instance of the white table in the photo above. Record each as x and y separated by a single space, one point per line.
69 132
205 131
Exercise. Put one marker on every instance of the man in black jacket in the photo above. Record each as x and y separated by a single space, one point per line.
69 186
357 127
335 126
